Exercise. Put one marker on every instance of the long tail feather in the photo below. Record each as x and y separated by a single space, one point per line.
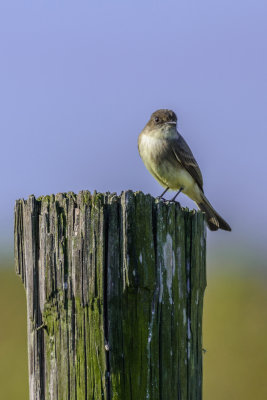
214 220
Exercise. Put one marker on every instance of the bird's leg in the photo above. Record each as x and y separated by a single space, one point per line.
179 191
159 197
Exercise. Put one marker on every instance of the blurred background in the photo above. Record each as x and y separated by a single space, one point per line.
79 82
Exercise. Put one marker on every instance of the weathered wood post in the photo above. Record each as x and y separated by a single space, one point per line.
114 288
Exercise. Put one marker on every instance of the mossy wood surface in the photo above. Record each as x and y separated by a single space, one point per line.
114 288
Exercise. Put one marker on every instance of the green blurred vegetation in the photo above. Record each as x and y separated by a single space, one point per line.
235 331
13 337
234 335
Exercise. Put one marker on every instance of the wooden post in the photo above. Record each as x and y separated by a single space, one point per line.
114 288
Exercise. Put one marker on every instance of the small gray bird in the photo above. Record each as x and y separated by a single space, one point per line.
169 159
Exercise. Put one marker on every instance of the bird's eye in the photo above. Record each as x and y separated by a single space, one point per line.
156 119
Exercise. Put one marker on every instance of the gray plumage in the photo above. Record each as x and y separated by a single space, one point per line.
169 159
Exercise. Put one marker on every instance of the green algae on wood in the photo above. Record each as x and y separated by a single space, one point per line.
114 288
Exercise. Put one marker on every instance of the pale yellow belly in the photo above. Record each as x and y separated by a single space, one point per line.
176 178
169 173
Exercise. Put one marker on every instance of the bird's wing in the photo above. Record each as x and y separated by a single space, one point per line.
185 156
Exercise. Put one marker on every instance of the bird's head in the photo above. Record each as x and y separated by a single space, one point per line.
162 117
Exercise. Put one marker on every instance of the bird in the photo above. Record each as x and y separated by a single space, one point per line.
169 159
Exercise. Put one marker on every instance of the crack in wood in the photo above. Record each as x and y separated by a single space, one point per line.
114 288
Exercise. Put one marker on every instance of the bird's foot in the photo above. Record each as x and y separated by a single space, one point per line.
174 202
160 198
168 201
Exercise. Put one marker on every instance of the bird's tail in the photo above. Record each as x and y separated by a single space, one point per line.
214 220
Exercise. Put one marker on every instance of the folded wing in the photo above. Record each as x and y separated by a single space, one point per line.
184 156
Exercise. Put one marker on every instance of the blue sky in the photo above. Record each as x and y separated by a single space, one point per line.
79 80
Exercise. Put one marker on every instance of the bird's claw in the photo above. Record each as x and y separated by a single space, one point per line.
175 202
159 198
167 201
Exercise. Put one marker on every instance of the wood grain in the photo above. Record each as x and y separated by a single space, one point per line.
114 288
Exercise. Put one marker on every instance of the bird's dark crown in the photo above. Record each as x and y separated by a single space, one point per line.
163 116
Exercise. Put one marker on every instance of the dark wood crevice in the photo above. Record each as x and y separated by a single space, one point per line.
108 277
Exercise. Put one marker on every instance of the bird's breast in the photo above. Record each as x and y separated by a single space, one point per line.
156 155
151 151
159 159
149 147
